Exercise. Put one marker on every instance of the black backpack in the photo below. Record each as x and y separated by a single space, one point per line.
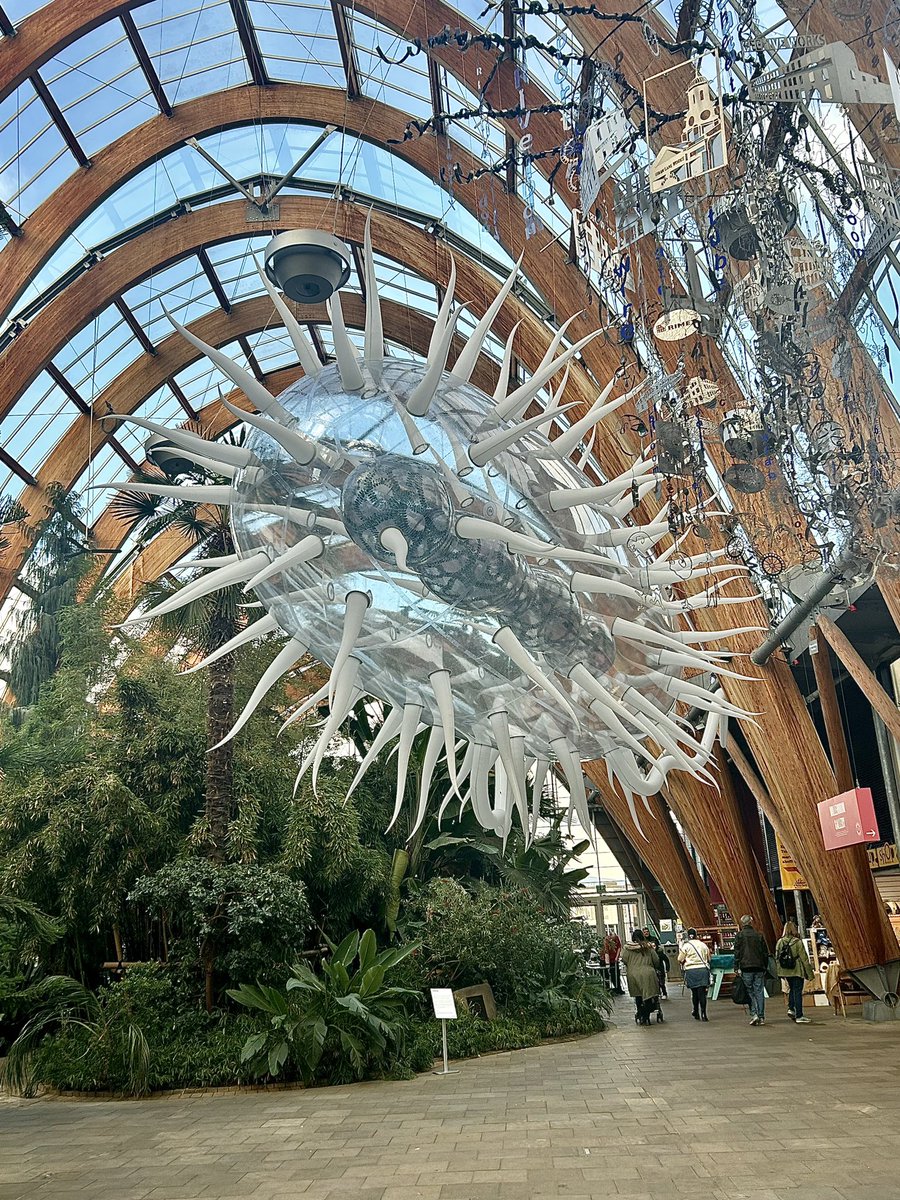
786 957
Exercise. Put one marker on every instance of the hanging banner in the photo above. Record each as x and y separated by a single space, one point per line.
791 878
848 819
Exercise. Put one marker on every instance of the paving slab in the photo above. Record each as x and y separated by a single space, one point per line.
680 1109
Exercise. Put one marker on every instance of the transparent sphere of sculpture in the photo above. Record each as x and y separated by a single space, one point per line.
401 502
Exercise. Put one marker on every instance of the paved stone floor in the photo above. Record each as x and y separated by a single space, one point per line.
718 1111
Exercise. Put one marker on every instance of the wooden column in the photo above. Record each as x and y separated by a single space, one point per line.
662 849
797 775
713 822
831 713
862 676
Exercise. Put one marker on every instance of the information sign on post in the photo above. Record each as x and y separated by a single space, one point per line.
848 819
444 1004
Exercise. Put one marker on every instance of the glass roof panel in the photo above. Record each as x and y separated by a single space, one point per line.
404 86
194 46
34 425
100 87
182 287
34 158
105 468
297 40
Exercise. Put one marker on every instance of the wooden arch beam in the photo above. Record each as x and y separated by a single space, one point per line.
661 848
74 307
74 200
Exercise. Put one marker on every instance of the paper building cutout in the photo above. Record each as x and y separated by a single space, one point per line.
606 144
704 148
833 72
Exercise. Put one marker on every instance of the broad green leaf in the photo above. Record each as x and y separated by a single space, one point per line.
368 948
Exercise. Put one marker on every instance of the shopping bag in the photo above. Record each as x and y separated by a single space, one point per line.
739 993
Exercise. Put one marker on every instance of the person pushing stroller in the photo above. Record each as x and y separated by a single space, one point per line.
642 966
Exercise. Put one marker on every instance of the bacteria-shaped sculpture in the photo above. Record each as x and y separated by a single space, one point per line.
441 553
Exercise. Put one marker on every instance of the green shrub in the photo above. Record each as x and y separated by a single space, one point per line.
346 1023
505 938
243 920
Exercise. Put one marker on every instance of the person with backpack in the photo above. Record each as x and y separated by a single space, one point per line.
751 961
694 959
792 963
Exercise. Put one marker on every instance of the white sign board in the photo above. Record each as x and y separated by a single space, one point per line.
443 1003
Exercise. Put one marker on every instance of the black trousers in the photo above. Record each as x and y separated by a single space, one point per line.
645 1007
700 994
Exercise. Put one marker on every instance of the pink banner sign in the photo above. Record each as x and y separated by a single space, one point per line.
848 819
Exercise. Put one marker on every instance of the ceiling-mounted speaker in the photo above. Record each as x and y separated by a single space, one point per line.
308 265
167 456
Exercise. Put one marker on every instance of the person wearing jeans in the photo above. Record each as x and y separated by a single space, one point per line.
792 963
751 960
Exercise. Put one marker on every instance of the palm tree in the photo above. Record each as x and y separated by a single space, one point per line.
202 626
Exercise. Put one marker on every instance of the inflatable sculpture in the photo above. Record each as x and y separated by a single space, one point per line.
443 554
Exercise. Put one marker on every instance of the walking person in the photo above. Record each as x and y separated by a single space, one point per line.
662 969
612 952
792 963
751 961
641 967
694 959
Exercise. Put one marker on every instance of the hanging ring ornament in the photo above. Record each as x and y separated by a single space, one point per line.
432 545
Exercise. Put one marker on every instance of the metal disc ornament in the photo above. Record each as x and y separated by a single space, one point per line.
744 477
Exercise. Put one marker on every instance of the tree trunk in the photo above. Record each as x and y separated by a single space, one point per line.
220 762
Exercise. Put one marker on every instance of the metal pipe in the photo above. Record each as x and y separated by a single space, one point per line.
884 739
804 609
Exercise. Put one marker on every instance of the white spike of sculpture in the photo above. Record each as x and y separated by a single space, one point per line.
518 401
420 537
306 355
357 604
465 364
506 366
374 342
602 407
347 361
265 625
439 348
235 456
258 396
286 658
305 551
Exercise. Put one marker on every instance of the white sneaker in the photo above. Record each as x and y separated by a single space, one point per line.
761 1021
754 1020
803 1021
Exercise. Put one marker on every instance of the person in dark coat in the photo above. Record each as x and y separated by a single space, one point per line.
751 960
641 967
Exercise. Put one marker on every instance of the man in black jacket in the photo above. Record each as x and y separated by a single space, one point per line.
751 960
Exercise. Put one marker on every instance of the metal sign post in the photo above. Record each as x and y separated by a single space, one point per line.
444 1004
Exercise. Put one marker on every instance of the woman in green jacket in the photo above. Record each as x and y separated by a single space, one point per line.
792 963
642 964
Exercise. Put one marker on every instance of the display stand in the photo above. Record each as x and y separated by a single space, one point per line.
444 1004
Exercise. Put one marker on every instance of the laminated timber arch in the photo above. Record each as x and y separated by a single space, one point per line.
661 848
